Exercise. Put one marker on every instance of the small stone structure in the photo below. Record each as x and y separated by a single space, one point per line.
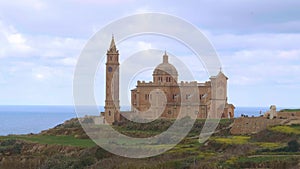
250 125
272 113
285 114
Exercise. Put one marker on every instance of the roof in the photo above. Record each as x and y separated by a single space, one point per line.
165 67
112 46
219 74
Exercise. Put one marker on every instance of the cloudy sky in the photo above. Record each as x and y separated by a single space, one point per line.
258 43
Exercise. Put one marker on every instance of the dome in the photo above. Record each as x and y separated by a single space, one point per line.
165 68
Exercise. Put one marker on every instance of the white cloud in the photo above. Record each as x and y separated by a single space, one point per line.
12 42
131 46
269 67
68 61
144 45
293 55
16 39
2 80
39 76
259 59
47 72
267 57
28 4
104 2
17 44
266 41
250 38
47 46
142 10
244 80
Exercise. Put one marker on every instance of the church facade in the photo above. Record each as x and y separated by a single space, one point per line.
163 97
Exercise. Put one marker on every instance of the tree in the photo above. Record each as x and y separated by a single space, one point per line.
293 146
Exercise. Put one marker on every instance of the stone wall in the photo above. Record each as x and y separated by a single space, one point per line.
250 125
288 114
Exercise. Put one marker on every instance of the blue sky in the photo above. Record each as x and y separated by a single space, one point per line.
257 42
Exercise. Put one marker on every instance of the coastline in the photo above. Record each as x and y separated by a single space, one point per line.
20 119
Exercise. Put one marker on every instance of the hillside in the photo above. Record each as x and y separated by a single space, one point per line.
67 146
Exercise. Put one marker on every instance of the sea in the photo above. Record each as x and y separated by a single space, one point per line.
34 119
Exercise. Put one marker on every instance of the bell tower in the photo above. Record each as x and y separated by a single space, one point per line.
112 102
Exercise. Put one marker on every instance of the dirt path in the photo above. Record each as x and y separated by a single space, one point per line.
275 155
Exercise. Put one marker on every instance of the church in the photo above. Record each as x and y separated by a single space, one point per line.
163 97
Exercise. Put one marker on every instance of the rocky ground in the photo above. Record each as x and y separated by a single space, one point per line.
67 146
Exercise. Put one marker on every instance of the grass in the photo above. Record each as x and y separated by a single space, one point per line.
290 110
184 155
266 161
261 159
136 133
54 140
232 140
269 145
286 129
231 161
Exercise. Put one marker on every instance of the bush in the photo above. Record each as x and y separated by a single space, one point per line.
101 153
58 162
293 146
8 142
83 162
87 120
11 146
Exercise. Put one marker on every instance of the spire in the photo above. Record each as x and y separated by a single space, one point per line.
165 57
112 44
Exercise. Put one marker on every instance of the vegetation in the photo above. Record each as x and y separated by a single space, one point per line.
155 127
293 146
49 139
293 129
10 146
62 162
232 139
60 148
275 162
269 145
290 110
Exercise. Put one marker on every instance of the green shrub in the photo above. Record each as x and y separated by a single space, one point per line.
84 162
8 142
286 129
293 146
11 146
101 153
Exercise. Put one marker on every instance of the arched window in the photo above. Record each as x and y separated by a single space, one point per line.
160 79
168 79
109 113
146 96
